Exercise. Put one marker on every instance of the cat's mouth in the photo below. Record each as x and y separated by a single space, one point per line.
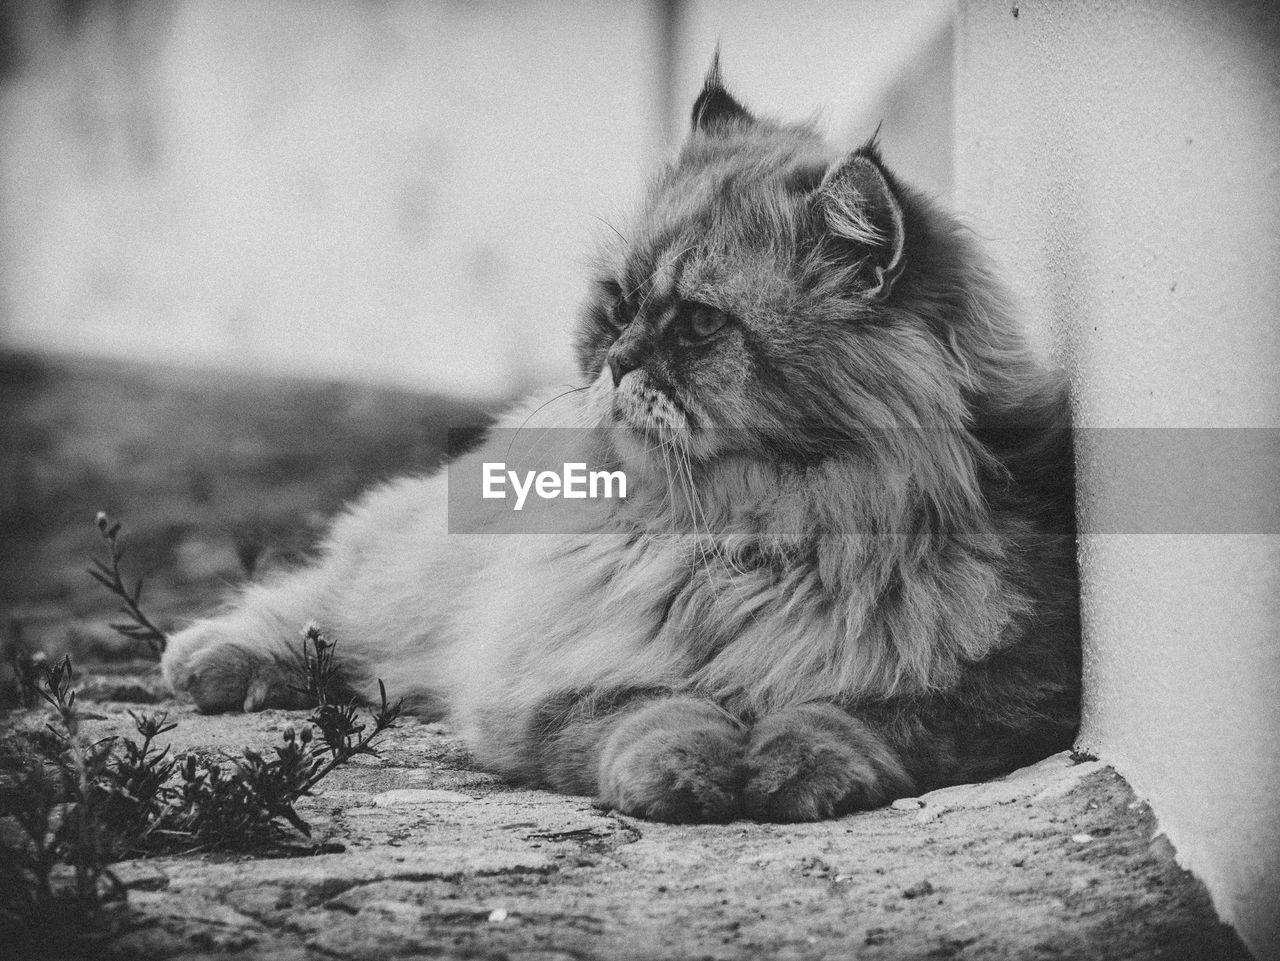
657 427
639 405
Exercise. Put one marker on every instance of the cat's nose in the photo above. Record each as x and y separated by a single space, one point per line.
622 362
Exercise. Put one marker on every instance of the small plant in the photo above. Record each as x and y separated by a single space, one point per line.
56 890
318 668
341 731
244 803
28 668
70 807
107 573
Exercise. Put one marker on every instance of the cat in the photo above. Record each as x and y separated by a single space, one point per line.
844 573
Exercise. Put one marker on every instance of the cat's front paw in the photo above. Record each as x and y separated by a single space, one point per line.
222 669
676 760
814 762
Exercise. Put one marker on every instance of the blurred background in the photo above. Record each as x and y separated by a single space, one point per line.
397 192
257 255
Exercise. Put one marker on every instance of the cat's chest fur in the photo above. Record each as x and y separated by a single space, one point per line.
752 624
757 587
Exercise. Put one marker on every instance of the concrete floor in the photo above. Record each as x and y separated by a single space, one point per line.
424 856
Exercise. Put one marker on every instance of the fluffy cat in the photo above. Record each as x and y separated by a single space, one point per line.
845 570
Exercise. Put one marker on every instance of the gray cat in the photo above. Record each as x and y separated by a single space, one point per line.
845 569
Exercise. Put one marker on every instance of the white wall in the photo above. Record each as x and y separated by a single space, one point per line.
1124 160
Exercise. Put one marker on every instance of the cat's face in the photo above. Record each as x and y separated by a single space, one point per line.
762 302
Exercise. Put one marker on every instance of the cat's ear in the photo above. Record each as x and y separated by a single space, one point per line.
715 107
861 211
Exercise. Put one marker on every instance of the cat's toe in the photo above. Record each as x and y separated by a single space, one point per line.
815 761
227 677
221 675
793 777
679 773
185 645
682 780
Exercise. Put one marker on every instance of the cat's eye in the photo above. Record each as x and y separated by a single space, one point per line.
700 322
616 308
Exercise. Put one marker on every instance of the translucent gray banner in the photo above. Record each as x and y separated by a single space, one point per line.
1130 480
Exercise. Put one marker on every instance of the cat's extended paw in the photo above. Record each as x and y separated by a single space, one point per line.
677 760
223 670
814 762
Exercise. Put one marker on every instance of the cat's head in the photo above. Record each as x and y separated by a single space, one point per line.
776 298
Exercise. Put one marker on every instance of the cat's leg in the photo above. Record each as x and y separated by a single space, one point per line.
367 594
251 657
816 761
667 758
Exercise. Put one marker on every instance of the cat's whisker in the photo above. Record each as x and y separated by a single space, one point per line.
533 413
565 393
714 545
694 505
671 496
675 486
652 274
616 231
716 548
668 265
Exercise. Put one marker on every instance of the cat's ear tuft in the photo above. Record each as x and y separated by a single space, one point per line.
715 107
863 215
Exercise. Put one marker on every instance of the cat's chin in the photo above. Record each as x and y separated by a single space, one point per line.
649 448
640 448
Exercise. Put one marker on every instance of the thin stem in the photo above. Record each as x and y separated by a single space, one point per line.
109 576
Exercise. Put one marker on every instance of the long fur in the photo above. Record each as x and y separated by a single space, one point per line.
845 570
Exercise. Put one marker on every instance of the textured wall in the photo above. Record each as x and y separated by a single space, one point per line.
1124 160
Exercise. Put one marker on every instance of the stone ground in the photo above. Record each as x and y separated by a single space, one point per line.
418 854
